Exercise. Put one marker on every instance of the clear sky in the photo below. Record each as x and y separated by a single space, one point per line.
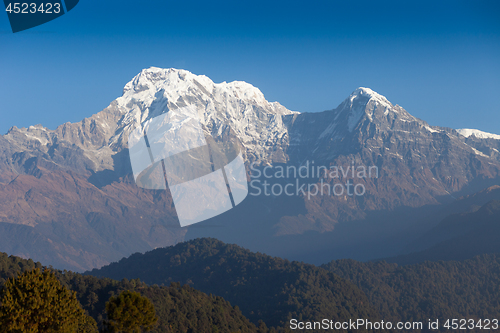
440 60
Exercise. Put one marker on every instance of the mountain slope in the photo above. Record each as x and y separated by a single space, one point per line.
64 220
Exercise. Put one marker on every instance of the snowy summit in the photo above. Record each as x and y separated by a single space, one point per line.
467 132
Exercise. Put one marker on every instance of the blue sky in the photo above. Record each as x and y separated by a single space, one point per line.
440 60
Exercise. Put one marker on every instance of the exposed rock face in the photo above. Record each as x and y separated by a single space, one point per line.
72 186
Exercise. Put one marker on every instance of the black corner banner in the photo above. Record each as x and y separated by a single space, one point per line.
31 13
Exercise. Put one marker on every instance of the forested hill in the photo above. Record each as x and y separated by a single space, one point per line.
276 290
180 309
268 288
444 290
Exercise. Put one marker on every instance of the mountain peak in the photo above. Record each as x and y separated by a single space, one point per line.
155 79
363 92
364 102
178 82
150 77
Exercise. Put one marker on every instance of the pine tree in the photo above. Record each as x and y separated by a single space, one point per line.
129 312
262 327
36 302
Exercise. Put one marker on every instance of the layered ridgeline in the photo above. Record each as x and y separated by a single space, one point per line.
263 287
68 198
277 290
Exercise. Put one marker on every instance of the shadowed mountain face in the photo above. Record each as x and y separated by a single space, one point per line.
459 237
69 199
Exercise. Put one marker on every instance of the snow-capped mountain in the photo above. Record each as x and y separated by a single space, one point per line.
257 122
76 180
